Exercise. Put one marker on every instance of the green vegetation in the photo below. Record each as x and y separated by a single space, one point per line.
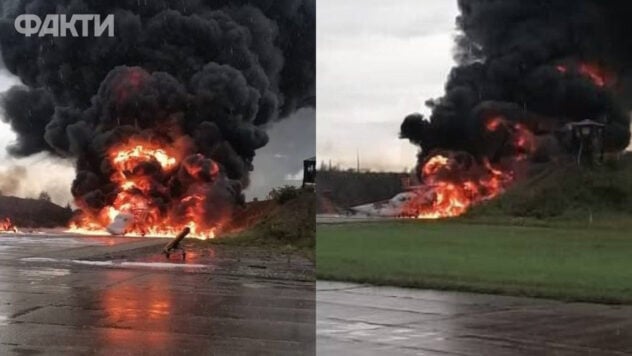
565 232
287 222
284 194
565 193
581 264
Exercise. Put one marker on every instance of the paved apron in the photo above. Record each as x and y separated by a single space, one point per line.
363 320
56 298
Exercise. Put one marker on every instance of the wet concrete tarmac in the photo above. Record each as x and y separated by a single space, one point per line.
62 295
363 320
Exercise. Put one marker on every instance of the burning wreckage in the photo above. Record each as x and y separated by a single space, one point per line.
6 225
162 120
535 81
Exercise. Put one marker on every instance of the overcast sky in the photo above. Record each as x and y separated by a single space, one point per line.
280 162
41 172
377 62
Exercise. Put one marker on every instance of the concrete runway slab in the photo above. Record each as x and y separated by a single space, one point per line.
357 319
58 297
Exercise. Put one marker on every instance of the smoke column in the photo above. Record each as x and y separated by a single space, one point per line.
540 63
199 78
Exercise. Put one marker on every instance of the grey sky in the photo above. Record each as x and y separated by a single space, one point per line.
43 172
280 162
377 62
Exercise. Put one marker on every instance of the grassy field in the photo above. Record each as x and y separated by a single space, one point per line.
579 264
286 223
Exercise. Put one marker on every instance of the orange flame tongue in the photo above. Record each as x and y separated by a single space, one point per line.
434 164
599 76
128 157
454 189
454 181
135 201
596 74
450 200
7 225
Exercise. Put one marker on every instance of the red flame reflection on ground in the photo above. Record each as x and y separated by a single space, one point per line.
135 187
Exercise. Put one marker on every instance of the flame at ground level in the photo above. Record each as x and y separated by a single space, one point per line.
454 188
152 232
454 181
144 201
6 225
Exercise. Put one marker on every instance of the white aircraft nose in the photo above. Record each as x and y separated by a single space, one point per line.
120 224
362 210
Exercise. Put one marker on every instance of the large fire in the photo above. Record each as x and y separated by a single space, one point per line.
454 181
135 168
454 189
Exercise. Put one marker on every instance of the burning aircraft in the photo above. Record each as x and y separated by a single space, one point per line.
453 181
163 119
395 207
525 71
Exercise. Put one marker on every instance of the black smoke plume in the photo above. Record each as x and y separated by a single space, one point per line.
210 73
541 63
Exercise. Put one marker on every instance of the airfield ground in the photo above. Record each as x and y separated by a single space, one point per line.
78 295
363 320
574 264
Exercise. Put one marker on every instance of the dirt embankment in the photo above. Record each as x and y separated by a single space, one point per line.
288 220
567 192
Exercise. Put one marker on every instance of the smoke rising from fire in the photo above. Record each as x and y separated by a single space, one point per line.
201 79
539 63
11 180
525 70
23 178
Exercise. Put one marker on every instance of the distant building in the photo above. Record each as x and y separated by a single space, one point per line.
309 171
588 138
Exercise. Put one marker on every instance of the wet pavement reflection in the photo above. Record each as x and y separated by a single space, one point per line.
57 297
364 320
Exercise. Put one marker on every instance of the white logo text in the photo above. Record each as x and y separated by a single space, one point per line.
60 25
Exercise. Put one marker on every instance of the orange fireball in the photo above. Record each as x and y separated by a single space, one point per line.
134 210
454 190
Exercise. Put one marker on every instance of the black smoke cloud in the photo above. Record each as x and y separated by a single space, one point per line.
217 72
509 54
